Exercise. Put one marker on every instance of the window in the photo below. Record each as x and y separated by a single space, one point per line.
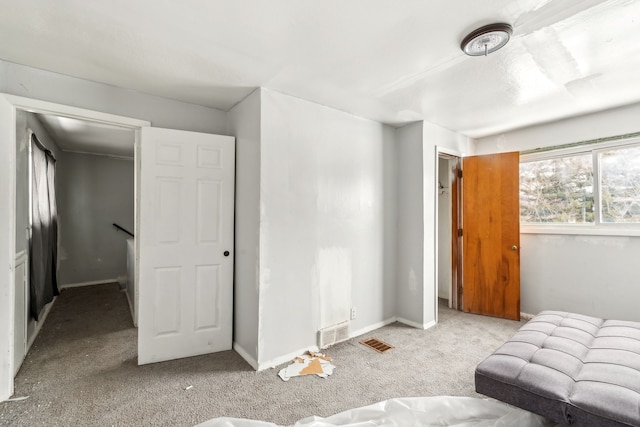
596 185
620 185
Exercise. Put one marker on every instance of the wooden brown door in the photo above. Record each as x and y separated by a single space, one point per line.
491 235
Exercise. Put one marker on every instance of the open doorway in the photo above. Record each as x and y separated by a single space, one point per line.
448 224
95 183
184 187
474 221
95 186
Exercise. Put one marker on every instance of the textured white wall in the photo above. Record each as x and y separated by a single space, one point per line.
328 190
593 275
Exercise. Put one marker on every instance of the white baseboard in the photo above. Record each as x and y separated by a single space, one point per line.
133 313
39 323
261 366
95 282
366 330
245 355
286 358
417 325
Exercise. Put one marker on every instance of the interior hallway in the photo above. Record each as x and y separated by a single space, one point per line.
82 371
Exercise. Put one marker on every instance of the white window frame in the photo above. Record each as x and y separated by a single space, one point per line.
598 228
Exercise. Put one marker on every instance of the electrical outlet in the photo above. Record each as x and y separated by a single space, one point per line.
353 313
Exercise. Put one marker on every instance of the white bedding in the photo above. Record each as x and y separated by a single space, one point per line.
413 411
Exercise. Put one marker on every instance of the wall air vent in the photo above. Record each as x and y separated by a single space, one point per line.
333 334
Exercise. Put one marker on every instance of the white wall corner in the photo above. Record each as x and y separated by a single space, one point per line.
423 326
245 355
8 239
372 327
39 323
285 358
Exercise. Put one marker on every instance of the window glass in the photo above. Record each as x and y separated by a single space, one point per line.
620 185
557 190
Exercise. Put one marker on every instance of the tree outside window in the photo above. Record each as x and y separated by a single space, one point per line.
620 185
562 189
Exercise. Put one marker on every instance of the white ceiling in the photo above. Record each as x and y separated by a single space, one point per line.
83 136
391 61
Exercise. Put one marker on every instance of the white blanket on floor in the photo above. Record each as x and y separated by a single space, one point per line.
413 411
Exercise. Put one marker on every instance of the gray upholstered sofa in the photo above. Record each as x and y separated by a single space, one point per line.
572 369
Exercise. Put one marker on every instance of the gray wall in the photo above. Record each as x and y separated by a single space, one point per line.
93 192
597 275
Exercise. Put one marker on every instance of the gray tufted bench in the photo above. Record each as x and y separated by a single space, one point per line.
571 369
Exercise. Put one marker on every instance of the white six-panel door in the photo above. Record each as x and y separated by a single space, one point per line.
186 244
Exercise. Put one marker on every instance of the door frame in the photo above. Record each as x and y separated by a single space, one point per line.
449 153
8 208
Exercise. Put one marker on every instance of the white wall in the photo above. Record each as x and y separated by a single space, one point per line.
93 192
444 229
43 85
22 181
434 136
161 112
618 121
593 275
417 225
244 123
327 223
24 122
7 244
410 253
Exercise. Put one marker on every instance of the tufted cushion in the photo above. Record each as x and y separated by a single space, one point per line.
570 368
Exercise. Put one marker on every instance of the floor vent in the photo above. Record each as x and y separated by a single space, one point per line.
333 334
377 345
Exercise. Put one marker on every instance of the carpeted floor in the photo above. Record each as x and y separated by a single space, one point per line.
82 370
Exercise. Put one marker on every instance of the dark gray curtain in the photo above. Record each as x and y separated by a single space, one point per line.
44 228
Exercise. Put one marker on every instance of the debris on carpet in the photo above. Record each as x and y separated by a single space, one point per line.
308 364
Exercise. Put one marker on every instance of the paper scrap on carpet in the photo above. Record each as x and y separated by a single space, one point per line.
308 364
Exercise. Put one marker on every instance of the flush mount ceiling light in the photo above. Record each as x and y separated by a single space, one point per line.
486 40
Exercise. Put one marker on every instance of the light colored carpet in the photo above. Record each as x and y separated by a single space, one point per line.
82 371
